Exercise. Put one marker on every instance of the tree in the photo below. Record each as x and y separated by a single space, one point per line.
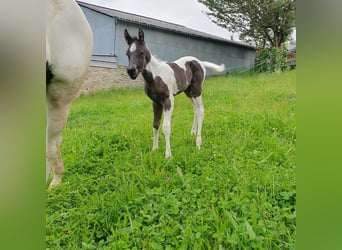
267 23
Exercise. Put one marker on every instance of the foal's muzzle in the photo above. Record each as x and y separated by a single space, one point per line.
133 72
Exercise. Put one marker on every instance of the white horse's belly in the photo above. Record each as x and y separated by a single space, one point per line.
69 40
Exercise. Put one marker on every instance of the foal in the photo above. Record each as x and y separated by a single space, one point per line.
69 45
165 80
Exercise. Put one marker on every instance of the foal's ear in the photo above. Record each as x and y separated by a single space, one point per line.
128 37
141 36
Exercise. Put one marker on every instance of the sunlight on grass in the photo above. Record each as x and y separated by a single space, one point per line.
237 192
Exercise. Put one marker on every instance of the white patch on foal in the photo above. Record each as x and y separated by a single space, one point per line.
133 48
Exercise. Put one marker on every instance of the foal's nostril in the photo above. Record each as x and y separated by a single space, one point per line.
132 72
131 68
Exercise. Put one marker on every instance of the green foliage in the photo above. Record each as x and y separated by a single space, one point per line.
237 192
268 23
271 60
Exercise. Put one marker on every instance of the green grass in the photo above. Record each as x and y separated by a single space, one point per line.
237 192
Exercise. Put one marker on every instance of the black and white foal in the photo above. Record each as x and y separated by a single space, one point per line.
165 80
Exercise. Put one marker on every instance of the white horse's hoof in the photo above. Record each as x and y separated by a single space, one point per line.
55 182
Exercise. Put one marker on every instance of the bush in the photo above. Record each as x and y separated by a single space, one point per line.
271 60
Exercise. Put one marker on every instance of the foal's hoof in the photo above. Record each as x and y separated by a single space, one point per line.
167 154
199 142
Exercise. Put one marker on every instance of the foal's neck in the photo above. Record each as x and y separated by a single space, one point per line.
155 66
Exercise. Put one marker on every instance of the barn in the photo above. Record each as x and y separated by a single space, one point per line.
166 40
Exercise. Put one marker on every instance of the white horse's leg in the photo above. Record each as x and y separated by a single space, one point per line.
59 96
69 43
199 111
57 115
167 128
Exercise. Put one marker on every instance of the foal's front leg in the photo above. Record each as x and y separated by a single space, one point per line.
168 108
157 110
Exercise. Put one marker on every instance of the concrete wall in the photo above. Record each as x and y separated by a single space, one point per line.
98 79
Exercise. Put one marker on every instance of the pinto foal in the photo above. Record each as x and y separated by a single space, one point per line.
69 44
165 80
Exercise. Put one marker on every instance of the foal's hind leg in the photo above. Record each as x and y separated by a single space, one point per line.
168 108
198 118
194 123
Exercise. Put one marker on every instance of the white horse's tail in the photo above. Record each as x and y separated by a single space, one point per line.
213 66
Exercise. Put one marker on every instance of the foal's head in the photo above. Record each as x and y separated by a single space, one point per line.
138 54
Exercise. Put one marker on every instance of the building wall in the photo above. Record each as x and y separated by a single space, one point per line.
109 54
103 28
169 46
110 44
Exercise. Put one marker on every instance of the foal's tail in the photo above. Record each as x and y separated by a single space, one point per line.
213 66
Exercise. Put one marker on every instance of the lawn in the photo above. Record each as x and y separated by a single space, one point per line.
237 192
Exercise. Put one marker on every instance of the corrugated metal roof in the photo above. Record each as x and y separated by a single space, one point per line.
155 23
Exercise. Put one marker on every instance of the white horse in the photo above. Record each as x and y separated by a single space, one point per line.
165 80
69 45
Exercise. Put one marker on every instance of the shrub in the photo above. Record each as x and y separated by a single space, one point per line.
271 60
